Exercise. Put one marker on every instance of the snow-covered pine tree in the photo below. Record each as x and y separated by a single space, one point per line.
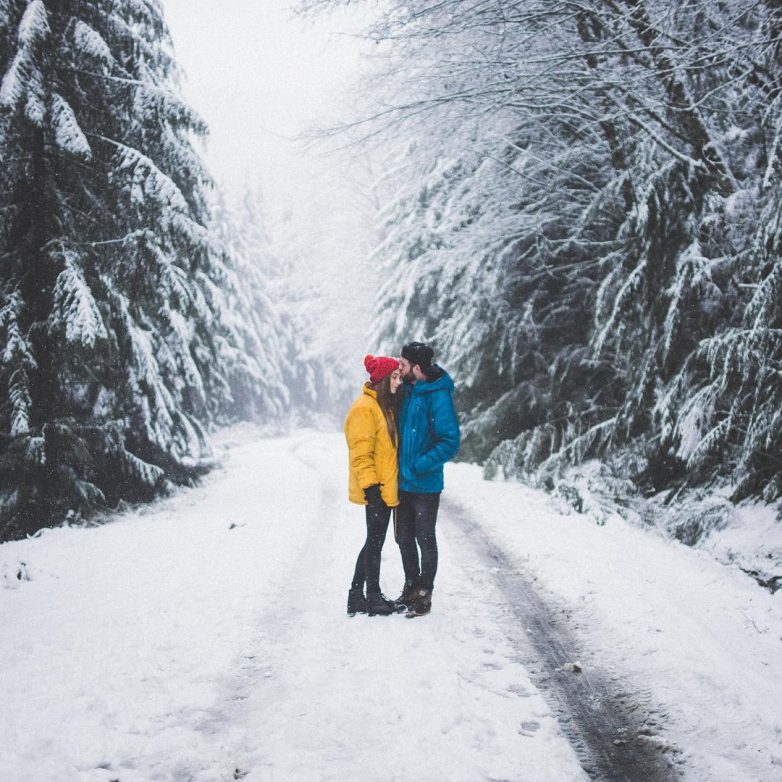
491 248
730 416
698 224
119 343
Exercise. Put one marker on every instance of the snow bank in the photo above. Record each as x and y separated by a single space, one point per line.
701 640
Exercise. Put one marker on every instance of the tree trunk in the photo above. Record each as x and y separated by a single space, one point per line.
687 117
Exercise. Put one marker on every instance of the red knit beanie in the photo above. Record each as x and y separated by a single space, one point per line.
379 366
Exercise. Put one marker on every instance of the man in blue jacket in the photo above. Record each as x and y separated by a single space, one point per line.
428 437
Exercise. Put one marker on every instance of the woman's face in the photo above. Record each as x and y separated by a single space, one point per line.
395 380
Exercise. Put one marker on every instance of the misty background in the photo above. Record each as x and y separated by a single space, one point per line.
266 80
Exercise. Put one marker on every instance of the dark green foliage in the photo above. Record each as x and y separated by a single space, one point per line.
118 306
595 252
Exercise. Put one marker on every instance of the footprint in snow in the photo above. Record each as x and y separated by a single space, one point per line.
529 728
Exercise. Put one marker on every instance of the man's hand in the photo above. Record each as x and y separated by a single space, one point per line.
372 494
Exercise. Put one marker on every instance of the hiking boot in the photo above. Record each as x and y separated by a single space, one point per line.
379 605
357 603
406 598
421 603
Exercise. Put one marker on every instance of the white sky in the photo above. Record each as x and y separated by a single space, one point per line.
260 77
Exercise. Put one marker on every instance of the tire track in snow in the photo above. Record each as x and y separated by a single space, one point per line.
611 727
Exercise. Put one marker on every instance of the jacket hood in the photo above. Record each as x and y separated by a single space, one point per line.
442 383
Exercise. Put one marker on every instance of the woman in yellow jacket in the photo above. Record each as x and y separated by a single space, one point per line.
371 434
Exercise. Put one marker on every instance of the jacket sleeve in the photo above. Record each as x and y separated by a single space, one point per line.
447 436
360 434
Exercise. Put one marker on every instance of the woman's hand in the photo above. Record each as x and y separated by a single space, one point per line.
372 494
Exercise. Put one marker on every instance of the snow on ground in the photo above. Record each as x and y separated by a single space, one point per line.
204 638
698 638
737 542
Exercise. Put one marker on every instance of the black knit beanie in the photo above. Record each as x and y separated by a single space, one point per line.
418 353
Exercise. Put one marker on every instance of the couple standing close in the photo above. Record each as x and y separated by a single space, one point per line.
400 432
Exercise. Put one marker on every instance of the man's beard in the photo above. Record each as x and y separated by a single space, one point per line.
408 377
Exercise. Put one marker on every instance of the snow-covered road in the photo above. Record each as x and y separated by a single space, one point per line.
204 638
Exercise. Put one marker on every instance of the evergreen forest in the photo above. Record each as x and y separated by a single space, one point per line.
137 310
582 214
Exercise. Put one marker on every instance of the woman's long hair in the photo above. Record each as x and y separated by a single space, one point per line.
389 404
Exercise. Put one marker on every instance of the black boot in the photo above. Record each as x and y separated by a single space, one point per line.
379 605
357 603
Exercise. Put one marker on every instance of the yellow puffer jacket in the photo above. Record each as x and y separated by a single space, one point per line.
371 454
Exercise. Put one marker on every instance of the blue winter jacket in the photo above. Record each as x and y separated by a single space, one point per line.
428 434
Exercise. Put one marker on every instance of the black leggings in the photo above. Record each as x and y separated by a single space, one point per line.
368 562
416 517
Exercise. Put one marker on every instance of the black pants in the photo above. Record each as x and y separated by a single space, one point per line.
416 517
368 562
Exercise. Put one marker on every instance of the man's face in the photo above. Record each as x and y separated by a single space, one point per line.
406 368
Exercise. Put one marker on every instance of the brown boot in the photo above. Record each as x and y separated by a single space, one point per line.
421 603
404 600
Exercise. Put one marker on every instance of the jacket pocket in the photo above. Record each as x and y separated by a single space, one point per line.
424 466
